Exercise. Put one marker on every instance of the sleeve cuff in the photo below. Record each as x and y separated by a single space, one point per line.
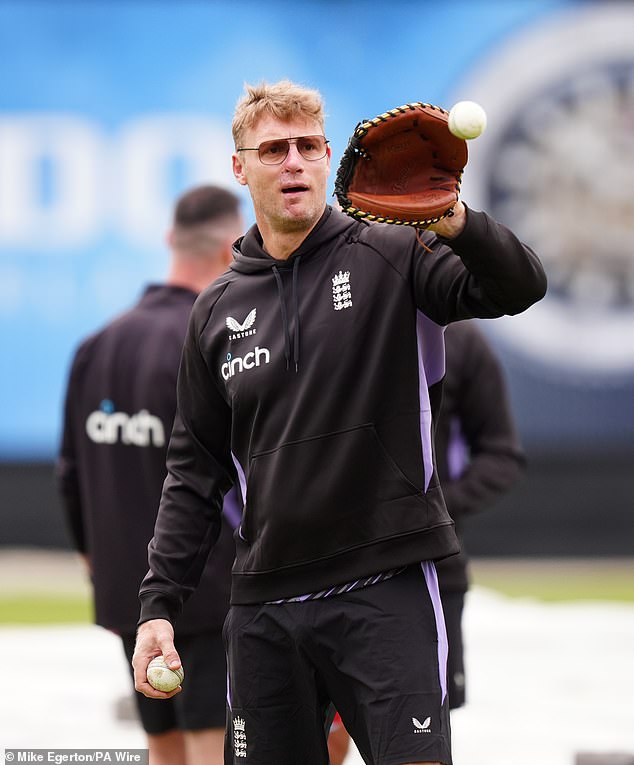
475 231
154 605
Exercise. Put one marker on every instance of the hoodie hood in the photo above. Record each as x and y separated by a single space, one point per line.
250 257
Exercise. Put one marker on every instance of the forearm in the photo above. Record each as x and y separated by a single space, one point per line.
188 521
507 271
187 527
483 271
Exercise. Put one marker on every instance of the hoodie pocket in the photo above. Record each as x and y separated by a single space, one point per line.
319 496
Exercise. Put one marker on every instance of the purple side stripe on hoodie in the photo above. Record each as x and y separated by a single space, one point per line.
431 369
232 508
242 479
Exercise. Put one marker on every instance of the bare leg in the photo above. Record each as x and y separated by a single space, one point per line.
167 748
205 747
338 745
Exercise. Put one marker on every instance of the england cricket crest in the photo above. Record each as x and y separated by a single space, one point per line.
341 291
239 737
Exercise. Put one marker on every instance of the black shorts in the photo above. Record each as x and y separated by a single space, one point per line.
378 654
452 604
202 702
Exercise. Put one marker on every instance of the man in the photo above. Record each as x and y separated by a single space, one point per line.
120 407
309 376
479 457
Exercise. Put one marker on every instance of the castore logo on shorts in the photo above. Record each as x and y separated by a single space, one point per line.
422 727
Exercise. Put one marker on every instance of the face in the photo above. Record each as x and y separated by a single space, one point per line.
289 197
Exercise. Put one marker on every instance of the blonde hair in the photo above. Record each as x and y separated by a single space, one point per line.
284 100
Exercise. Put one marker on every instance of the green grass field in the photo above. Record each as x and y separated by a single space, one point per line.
45 609
558 580
552 580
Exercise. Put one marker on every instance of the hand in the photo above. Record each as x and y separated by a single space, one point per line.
154 638
451 225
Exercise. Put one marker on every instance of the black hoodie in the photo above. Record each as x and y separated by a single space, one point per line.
312 383
119 410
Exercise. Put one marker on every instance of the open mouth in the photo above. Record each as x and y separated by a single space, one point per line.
294 189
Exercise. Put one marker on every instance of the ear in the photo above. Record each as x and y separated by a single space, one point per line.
226 256
238 169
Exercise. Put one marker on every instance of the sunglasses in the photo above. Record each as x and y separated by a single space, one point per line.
311 147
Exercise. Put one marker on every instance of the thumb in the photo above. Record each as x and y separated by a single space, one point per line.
165 643
170 655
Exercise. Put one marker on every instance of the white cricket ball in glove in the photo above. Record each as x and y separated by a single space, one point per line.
161 677
467 120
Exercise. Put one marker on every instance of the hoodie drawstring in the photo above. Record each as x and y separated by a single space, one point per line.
285 322
296 309
280 292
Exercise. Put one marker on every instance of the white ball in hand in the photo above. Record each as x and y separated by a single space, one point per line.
467 120
161 677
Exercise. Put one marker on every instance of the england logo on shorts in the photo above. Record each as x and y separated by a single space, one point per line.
239 737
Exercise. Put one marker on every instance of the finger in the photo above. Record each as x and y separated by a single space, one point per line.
152 693
164 633
170 655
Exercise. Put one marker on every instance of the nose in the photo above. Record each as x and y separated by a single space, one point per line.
293 160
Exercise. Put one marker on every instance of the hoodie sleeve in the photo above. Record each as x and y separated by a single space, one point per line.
485 272
199 473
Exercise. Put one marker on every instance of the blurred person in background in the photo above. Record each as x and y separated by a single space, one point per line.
479 458
119 410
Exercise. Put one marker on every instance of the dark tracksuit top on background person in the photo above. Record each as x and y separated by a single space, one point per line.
312 383
120 406
478 452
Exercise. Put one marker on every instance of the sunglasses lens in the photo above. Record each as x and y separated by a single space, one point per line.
273 152
312 146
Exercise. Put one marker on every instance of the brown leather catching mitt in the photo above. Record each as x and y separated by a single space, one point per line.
402 167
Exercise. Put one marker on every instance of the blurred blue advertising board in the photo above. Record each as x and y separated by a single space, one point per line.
108 110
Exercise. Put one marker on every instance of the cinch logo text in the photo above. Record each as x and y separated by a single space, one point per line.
236 364
105 426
